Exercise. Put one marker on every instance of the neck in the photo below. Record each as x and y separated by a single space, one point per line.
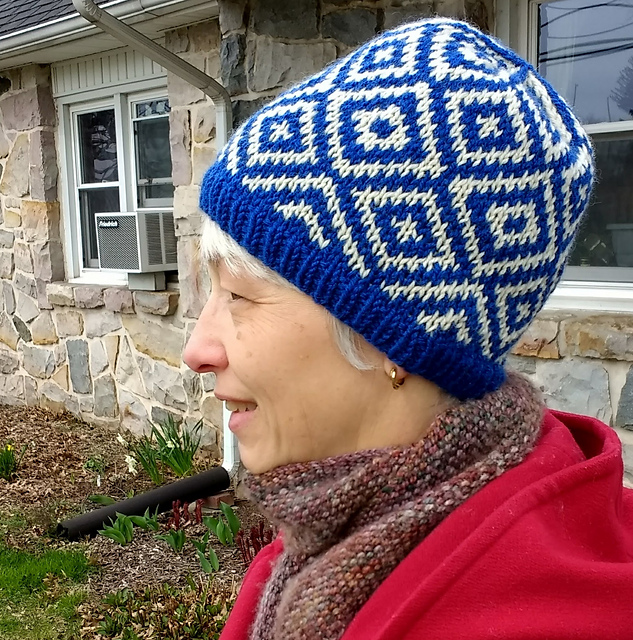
399 417
349 521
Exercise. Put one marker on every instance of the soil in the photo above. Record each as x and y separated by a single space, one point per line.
66 461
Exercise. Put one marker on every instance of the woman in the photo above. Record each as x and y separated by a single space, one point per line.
379 236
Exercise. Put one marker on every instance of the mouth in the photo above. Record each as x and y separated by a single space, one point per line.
239 407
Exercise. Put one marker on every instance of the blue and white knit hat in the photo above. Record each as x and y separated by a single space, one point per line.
425 189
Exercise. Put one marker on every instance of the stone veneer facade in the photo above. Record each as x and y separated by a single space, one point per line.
113 356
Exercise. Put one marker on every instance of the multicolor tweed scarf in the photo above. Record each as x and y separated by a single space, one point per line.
348 521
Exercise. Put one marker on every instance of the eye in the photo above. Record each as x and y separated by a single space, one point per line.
233 296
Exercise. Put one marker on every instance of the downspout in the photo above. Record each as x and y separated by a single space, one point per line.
165 58
223 124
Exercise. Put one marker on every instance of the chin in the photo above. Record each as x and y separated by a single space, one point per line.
254 463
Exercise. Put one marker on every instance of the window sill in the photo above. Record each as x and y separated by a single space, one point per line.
592 296
101 278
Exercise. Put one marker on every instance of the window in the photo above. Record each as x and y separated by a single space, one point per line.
120 161
585 50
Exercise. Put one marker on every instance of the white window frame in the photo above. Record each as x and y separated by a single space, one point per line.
159 204
121 98
582 288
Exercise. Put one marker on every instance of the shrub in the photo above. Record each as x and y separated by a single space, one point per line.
168 445
120 530
177 447
9 463
196 612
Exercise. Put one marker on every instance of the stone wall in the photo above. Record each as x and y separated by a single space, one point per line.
107 354
583 363
114 356
30 242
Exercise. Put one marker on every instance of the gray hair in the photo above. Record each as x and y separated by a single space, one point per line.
217 245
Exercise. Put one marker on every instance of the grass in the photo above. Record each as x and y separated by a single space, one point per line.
12 522
40 590
22 572
35 618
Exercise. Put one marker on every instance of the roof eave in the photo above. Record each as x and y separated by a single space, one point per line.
54 40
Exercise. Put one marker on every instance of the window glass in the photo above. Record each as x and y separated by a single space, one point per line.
153 154
585 51
152 108
93 201
97 147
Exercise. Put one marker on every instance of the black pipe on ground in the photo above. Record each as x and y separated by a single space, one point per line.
201 485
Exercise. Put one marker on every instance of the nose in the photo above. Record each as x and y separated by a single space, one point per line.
205 351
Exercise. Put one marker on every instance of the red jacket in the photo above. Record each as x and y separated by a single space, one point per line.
544 552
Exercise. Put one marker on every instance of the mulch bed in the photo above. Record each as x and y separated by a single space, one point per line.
66 461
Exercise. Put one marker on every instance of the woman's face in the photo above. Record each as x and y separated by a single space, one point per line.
292 395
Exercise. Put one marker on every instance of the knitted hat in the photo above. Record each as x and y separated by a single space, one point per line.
425 189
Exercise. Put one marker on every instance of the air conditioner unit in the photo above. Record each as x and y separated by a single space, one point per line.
139 242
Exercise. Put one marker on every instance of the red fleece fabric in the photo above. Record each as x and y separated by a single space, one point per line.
544 552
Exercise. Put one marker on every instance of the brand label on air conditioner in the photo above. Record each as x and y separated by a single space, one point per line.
108 224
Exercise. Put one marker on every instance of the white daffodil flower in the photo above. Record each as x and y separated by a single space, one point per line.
131 464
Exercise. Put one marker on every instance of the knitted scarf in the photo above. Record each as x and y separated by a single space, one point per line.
348 521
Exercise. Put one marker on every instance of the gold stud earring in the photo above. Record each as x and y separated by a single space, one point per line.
393 376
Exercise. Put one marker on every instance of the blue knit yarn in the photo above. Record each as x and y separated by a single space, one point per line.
425 189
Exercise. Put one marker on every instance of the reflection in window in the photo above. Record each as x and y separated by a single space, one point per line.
97 139
586 52
152 108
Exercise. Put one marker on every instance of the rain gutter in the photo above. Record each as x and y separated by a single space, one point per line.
222 101
72 27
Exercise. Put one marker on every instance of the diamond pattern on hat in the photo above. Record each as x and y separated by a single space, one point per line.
368 130
517 305
458 55
425 189
383 129
498 239
456 310
420 242
489 127
554 134
576 189
395 57
283 135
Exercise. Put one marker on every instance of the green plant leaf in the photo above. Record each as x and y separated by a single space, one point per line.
115 535
175 539
180 540
199 545
213 558
211 524
204 563
151 520
125 526
140 521
221 531
231 518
